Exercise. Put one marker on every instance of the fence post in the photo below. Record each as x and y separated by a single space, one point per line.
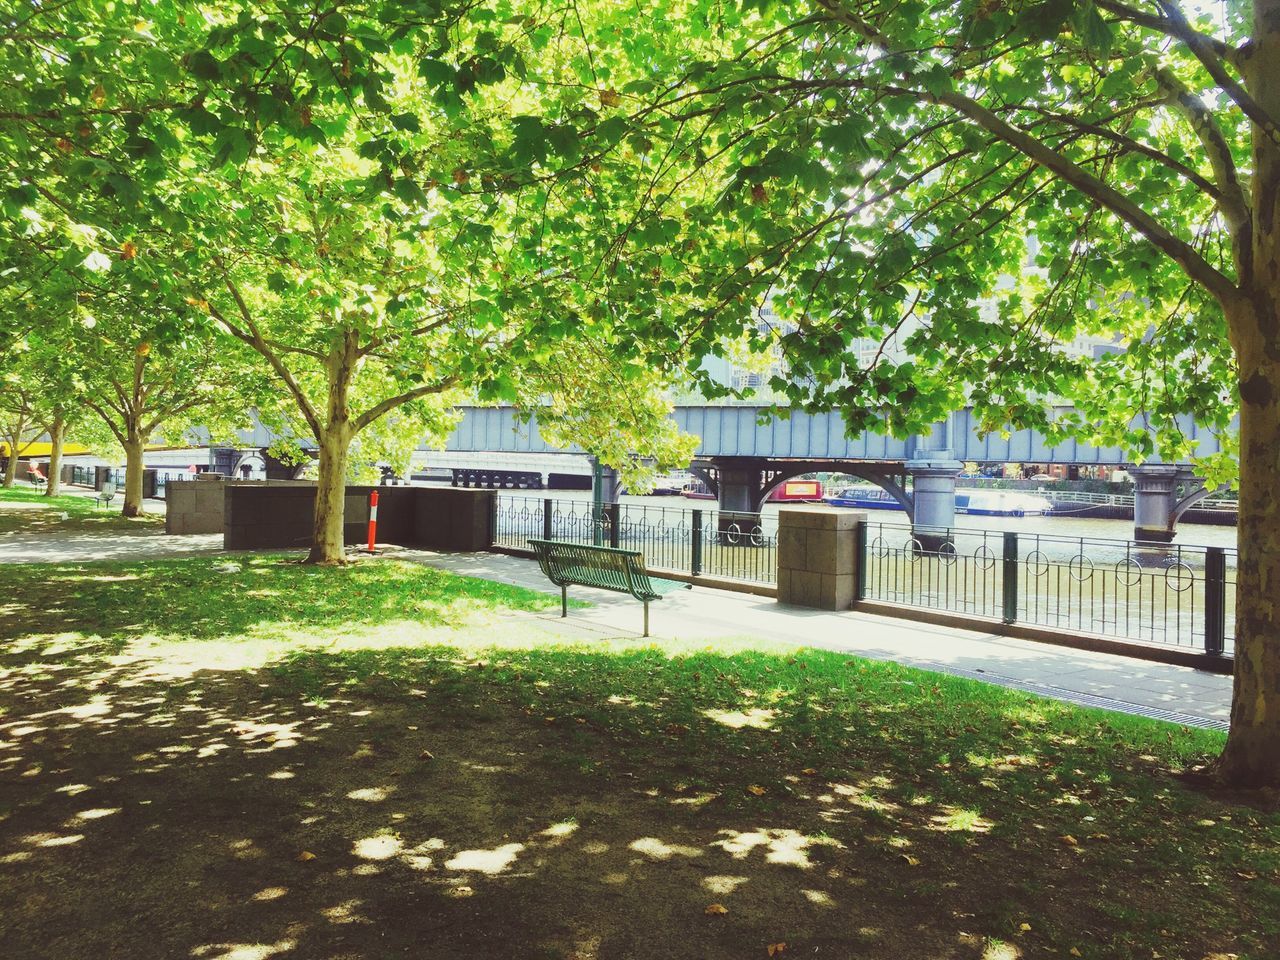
613 512
1215 600
695 545
548 507
1010 585
860 558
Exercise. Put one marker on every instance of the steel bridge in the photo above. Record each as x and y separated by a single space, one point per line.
745 451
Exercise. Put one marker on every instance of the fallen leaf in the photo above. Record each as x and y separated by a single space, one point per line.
1074 951
809 771
776 948
911 861
426 755
716 909
1024 928
1070 841
304 856
759 791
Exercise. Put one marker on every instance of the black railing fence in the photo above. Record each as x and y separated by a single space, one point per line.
1132 590
711 543
1151 593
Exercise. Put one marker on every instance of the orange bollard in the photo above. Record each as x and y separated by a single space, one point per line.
373 519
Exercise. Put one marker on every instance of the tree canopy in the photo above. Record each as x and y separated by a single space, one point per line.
919 202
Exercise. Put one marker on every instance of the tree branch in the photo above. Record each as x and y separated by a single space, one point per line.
1232 202
1204 51
1177 249
253 337
1218 48
386 406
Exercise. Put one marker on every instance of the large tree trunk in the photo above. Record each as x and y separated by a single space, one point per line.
11 464
57 434
331 490
1252 755
133 469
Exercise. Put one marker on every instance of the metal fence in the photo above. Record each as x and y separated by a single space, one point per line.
83 476
1163 594
711 543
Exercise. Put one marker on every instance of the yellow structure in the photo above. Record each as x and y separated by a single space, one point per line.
41 449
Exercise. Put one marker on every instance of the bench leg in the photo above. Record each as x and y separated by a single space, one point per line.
646 618
564 602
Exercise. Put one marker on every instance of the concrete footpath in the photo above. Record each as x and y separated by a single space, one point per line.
1179 694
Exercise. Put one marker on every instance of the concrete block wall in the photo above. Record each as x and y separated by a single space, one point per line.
276 514
195 506
818 556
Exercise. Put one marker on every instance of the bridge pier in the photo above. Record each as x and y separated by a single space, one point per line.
933 500
1156 503
739 496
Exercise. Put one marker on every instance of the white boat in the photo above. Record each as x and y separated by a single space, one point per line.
1002 503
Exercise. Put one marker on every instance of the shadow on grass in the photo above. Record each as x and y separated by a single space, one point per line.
29 511
618 801
232 598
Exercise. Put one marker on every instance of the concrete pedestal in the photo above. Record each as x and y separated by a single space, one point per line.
818 556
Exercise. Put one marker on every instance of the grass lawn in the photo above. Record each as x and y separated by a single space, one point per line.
246 759
24 509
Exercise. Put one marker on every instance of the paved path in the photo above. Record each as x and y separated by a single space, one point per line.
1181 694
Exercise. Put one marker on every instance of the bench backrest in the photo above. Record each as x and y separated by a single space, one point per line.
607 567
108 491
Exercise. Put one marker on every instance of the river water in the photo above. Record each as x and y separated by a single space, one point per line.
1188 534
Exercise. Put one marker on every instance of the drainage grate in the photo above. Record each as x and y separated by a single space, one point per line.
1080 699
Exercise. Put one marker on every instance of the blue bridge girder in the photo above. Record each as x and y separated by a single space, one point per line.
737 431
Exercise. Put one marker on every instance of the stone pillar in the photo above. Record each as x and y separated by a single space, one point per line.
1155 498
818 556
933 500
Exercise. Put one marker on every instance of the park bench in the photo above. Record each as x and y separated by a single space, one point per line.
606 568
37 479
105 495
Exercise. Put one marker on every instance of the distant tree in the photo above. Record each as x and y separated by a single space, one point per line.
18 421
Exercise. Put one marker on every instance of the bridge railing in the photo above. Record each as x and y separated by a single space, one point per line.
1149 593
1125 499
698 543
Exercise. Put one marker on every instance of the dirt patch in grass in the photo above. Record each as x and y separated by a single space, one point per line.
542 800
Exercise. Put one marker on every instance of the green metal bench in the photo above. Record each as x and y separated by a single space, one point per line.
606 568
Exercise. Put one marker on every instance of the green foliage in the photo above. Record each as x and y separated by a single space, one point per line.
835 164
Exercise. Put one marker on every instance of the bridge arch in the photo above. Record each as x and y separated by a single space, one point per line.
893 484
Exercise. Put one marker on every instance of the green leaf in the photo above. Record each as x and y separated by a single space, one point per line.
407 121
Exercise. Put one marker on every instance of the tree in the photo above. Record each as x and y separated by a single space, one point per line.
334 222
979 183
147 375
18 427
